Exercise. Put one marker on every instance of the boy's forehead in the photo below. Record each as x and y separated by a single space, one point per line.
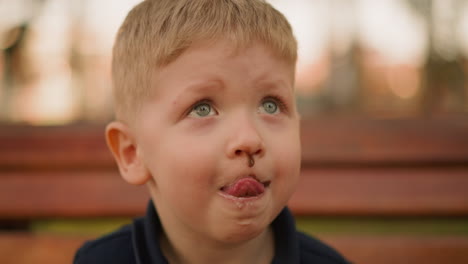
225 47
223 51
205 64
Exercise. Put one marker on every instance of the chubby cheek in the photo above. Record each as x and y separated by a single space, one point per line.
186 173
287 163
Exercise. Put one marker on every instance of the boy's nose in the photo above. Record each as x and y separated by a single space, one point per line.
245 142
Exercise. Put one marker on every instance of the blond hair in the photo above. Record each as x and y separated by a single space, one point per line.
156 32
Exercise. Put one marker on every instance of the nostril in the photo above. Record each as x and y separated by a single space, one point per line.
238 152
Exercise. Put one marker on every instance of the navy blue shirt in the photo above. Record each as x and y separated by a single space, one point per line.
138 243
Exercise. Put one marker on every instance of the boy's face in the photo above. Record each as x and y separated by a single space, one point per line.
220 140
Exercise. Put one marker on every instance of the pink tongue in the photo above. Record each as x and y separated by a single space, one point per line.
245 187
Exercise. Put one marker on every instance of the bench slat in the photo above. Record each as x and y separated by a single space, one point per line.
321 191
382 191
400 249
367 142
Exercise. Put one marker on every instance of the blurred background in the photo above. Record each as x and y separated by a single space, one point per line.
381 85
386 58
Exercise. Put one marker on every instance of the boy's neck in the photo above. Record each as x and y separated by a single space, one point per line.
259 250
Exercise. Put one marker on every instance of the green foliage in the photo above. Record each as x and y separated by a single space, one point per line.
378 226
85 227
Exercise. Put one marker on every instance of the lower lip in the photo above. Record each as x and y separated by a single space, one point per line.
241 199
251 204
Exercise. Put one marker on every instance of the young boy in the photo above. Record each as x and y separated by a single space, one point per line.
206 118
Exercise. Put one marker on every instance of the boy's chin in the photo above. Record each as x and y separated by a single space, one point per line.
244 233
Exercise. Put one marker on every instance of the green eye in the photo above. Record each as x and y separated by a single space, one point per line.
201 110
271 107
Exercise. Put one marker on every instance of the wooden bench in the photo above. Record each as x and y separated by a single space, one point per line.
352 168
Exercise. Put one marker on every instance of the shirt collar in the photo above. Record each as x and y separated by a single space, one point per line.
286 243
147 230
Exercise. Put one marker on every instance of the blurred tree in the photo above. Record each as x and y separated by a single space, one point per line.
444 77
15 18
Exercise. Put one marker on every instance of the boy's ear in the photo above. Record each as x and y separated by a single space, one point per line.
125 150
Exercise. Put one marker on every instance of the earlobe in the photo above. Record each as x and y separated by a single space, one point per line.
125 151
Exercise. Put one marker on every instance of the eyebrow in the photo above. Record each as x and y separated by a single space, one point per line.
275 84
200 87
